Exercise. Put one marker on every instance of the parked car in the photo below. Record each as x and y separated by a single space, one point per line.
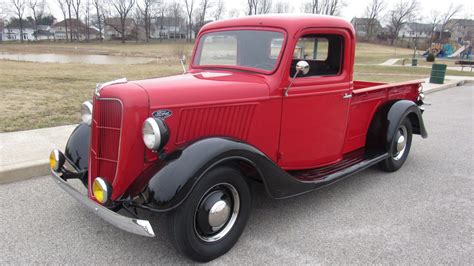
273 101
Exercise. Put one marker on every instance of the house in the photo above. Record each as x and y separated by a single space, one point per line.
415 30
461 30
362 25
79 30
113 28
12 32
168 28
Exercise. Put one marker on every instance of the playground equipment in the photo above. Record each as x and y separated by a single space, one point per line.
458 51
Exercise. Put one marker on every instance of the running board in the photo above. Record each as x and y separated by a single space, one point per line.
351 164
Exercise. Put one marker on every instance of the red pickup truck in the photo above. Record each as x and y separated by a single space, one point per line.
266 99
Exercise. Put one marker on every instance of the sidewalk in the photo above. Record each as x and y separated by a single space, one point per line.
25 154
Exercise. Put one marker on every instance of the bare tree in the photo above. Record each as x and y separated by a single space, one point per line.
434 21
281 7
71 29
19 9
176 15
100 17
372 13
447 16
87 18
265 6
37 8
76 5
326 7
402 13
201 14
189 4
219 9
252 6
146 11
62 6
123 8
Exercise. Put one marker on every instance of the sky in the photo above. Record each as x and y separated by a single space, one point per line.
352 9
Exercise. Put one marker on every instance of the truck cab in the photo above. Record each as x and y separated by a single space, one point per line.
265 100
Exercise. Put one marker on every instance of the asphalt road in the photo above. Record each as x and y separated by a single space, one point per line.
422 214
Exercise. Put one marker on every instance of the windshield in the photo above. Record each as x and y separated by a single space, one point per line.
241 49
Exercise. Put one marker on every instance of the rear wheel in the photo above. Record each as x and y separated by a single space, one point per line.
213 217
399 147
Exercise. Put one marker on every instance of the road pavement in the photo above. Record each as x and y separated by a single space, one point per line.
422 214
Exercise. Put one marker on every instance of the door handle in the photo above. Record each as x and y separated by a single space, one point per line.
347 96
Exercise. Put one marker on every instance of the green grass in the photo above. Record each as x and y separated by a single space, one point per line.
36 95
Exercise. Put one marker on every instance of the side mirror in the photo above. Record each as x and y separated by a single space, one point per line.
301 67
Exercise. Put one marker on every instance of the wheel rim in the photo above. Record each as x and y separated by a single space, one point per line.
401 138
217 212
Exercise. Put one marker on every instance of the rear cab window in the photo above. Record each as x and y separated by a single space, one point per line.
322 52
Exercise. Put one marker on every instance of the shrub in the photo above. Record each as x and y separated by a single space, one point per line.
431 57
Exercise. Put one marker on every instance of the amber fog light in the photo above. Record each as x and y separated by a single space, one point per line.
101 190
56 160
86 112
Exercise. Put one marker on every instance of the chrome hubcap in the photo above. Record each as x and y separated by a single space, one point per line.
401 142
217 212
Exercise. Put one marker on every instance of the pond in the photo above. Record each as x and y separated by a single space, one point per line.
78 59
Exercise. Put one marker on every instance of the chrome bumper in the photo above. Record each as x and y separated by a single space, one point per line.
135 226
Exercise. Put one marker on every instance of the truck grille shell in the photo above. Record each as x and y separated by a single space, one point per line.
105 139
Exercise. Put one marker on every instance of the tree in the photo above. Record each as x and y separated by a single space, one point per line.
62 6
37 8
76 5
402 13
146 14
19 9
447 16
100 17
189 4
265 7
87 12
69 4
252 6
281 7
219 9
372 13
325 7
201 15
123 8
434 21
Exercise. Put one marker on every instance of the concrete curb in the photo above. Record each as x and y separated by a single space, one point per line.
24 154
23 171
445 86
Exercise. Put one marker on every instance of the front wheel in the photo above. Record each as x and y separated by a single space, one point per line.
213 217
399 147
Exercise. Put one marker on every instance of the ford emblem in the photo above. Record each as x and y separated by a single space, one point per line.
162 114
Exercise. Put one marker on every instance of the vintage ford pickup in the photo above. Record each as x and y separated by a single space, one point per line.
266 99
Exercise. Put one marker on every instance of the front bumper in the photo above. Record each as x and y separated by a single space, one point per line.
135 226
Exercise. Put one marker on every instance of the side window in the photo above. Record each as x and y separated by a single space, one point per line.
322 52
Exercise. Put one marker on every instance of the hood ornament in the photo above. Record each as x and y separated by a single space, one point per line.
100 86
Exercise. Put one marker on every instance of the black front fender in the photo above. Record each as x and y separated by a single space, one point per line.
77 147
173 182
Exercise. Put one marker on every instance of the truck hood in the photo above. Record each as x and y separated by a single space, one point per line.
203 87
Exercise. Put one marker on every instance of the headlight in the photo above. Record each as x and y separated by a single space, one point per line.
101 190
155 133
56 160
86 112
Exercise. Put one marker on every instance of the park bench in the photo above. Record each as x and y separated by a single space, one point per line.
465 63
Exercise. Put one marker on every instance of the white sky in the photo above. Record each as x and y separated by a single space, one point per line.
352 8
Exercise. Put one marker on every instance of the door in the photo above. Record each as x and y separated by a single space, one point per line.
315 112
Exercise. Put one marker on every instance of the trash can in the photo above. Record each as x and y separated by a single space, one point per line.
438 72
414 62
